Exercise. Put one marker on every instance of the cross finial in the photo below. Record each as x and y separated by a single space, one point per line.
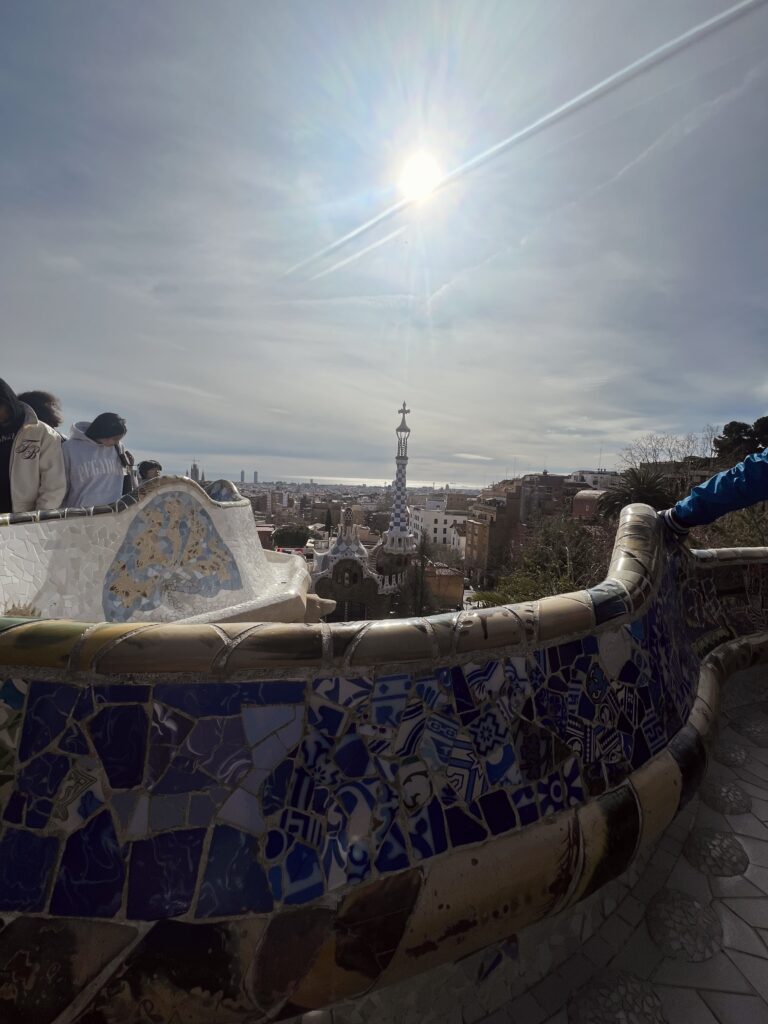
404 411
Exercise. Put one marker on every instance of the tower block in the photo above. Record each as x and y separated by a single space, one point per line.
398 539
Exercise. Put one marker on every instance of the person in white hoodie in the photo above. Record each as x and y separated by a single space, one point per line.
95 461
31 463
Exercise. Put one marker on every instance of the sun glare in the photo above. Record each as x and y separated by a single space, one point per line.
420 176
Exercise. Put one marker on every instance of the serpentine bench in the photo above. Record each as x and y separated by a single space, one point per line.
234 822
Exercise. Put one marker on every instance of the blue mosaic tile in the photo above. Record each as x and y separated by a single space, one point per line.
244 810
218 747
302 875
183 776
26 863
415 783
610 600
526 808
575 792
462 696
124 804
393 853
260 721
463 828
358 867
484 681
162 875
437 739
426 830
307 827
411 729
47 711
168 811
302 793
501 766
11 695
43 776
341 690
269 753
73 741
92 873
200 700
168 728
390 695
14 809
88 804
121 693
119 734
551 794
84 705
234 881
276 786
202 810
498 811
464 771
351 755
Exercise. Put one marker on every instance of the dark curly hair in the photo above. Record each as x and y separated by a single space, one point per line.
45 406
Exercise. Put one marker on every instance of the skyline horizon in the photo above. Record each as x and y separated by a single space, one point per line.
205 228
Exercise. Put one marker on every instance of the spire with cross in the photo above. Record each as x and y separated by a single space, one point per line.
398 537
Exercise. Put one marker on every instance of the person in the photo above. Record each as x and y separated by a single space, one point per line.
96 462
738 487
31 462
149 469
46 407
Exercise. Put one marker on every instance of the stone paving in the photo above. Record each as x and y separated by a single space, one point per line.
687 942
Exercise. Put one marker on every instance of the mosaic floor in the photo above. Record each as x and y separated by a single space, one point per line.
683 942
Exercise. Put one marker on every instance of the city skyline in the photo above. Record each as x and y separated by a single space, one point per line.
204 229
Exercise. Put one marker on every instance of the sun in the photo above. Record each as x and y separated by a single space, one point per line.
420 176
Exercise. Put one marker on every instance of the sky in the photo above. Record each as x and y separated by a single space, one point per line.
177 181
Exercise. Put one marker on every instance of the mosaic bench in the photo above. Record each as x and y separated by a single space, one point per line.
236 822
170 552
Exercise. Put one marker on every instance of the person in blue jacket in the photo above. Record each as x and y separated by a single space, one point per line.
738 487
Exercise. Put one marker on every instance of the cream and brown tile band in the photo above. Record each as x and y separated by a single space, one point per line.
236 821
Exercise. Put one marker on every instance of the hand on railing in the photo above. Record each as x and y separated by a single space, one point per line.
673 524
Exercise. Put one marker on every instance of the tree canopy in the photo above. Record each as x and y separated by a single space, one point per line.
292 535
643 484
740 439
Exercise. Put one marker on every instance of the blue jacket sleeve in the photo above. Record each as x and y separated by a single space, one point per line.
742 485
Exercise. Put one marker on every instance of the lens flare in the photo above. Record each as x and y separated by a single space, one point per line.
420 176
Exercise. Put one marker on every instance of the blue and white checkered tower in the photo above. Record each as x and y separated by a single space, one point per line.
398 539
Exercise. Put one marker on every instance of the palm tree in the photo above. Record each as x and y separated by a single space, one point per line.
646 485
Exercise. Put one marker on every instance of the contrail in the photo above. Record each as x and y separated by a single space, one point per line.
357 255
632 70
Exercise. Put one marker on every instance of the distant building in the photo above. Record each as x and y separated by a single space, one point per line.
434 520
255 476
242 476
685 473
502 518
585 504
194 472
599 478
444 586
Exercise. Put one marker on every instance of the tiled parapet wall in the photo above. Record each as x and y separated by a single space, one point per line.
172 551
241 821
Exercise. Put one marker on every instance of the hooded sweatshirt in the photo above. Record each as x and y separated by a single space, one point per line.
95 472
8 432
31 461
